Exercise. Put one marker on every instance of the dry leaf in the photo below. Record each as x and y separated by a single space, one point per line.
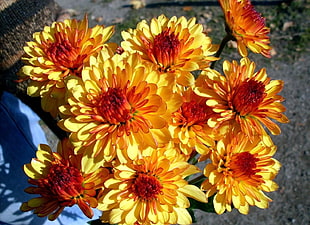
287 25
232 44
137 4
99 19
273 52
187 8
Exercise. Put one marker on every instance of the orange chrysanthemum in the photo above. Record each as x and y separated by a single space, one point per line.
239 173
177 46
57 52
150 190
62 179
116 103
243 98
188 125
247 26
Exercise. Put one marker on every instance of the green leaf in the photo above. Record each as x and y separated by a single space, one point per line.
206 207
191 212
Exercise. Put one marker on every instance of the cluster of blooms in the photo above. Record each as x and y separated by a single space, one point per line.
137 118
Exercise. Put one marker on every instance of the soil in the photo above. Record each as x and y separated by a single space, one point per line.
290 34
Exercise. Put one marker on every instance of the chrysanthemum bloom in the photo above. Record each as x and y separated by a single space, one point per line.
189 124
247 26
116 103
57 52
150 190
176 46
239 173
243 97
61 180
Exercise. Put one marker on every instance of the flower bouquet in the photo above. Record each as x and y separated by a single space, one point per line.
154 131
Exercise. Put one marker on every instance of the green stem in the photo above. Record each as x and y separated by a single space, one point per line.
224 41
193 159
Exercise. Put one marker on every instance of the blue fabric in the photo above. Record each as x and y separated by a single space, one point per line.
20 135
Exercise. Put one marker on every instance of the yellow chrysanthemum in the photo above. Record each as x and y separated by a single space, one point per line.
150 190
244 98
57 52
188 125
117 102
176 46
62 179
247 26
239 173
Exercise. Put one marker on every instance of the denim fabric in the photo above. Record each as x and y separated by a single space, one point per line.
19 138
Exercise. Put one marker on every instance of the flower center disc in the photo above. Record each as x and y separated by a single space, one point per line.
65 55
60 49
244 168
195 113
65 182
166 49
248 96
114 107
146 187
192 113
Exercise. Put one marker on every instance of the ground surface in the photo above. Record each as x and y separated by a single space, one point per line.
290 33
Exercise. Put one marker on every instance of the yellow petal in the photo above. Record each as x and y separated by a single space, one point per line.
183 216
33 89
32 173
116 216
186 79
84 133
72 125
89 165
182 201
127 204
218 202
56 75
194 192
132 215
44 156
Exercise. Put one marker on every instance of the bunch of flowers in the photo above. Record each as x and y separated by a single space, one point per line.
142 114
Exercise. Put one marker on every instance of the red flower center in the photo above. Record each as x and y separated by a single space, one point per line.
248 96
65 55
244 167
146 187
192 113
114 107
165 49
65 181
60 50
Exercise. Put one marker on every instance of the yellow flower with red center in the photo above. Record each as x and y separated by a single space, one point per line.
117 102
57 52
239 173
189 124
247 26
62 179
150 190
176 46
244 99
